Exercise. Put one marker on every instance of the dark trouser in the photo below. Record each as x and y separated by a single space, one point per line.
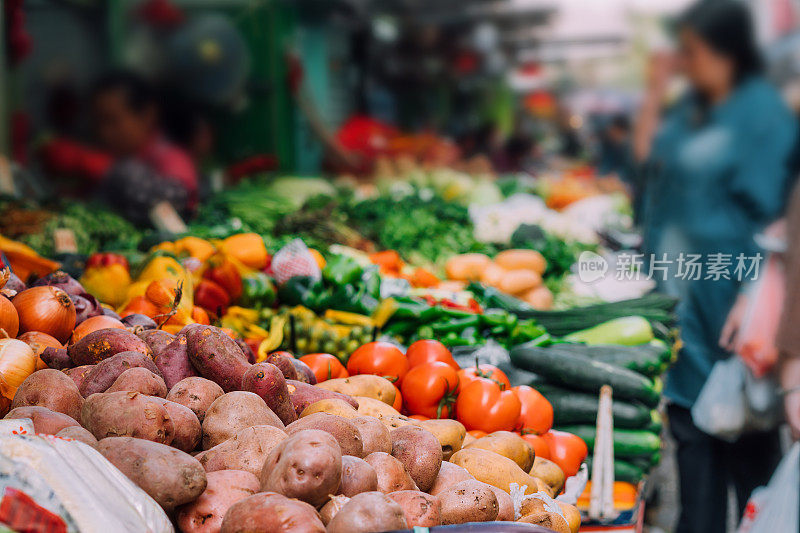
706 467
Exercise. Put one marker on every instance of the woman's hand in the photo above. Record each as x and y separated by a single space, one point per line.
729 337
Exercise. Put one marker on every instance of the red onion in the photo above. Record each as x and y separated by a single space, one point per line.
86 306
62 280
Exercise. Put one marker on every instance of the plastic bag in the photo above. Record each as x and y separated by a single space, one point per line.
293 260
721 408
775 508
756 339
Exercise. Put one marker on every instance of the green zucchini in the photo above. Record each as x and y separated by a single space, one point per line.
576 371
623 470
574 407
646 463
627 442
623 331
646 359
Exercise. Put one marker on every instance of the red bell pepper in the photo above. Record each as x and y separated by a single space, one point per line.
211 297
104 259
225 274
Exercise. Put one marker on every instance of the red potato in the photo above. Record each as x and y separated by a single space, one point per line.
78 374
44 420
196 393
187 427
224 488
52 389
368 512
334 505
306 466
247 450
173 361
127 414
302 395
392 476
106 372
375 435
78 433
272 512
267 381
345 433
357 476
216 356
420 509
141 380
468 501
420 452
233 412
171 477
104 343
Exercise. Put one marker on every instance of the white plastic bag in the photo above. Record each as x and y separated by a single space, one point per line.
776 508
721 408
292 260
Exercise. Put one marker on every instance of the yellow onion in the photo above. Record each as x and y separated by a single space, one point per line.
9 318
46 309
93 324
17 362
38 341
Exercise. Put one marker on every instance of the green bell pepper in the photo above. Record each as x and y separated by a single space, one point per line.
342 270
258 291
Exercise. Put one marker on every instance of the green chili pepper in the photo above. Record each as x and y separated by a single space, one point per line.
440 327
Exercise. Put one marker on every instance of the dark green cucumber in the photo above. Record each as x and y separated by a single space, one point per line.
627 442
623 471
575 407
656 422
646 463
576 371
646 359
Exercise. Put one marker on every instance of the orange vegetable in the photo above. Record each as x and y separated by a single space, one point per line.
521 260
519 281
493 274
424 278
248 249
161 293
388 260
140 305
539 298
467 267
318 258
200 316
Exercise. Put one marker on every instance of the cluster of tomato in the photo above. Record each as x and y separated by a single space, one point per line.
430 384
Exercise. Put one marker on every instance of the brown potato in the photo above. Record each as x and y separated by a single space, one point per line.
449 475
224 488
367 385
170 476
494 469
508 445
392 476
571 515
127 414
269 511
357 476
187 427
420 509
552 521
329 510
140 380
234 411
343 431
247 450
550 473
78 433
532 505
468 501
468 439
306 465
332 406
374 435
505 505
44 420
450 433
52 389
368 512
196 393
420 453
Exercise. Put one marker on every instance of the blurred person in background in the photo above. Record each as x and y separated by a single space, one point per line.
614 146
714 171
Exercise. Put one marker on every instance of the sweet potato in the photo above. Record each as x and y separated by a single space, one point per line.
284 363
332 406
44 420
232 412
247 450
420 453
304 372
306 466
224 488
52 389
187 427
420 509
450 433
196 393
468 501
78 374
247 351
216 356
357 476
368 512
139 379
171 477
173 361
367 385
269 511
375 435
106 372
392 476
127 414
104 343
78 433
267 381
302 395
56 358
345 433
156 339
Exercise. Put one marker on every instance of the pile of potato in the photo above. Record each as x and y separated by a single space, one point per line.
223 444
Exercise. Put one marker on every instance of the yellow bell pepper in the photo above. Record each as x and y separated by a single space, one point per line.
109 284
194 247
247 248
352 319
162 267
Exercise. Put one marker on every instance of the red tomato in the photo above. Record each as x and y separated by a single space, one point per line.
211 297
471 373
325 366
398 400
540 447
224 273
568 451
419 417
537 413
477 433
484 405
427 351
381 359
430 389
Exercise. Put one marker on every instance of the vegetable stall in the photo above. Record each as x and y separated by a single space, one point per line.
356 358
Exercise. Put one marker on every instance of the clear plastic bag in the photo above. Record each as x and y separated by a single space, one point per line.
775 508
293 260
721 408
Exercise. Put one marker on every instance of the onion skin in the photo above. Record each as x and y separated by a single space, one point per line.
17 362
46 309
38 341
86 306
93 324
14 283
9 318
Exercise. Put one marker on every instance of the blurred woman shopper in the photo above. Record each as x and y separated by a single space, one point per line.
715 172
